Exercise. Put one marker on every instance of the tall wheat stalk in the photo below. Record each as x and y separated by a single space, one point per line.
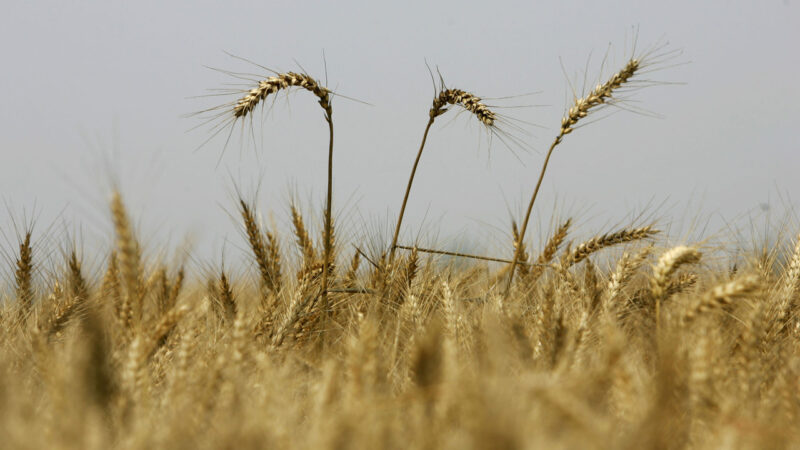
602 94
272 85
445 97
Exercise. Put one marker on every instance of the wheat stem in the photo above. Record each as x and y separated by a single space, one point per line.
408 189
467 255
446 97
272 85
580 109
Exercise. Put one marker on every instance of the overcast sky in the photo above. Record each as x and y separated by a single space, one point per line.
96 92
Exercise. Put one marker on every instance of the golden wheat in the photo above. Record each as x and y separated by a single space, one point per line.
425 354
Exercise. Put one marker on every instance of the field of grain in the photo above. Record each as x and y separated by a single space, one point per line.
623 339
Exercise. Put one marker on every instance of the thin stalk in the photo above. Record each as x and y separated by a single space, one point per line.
328 227
467 255
598 97
408 191
518 251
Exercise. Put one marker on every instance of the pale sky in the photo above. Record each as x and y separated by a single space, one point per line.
95 91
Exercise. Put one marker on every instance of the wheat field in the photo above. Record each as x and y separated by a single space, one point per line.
622 339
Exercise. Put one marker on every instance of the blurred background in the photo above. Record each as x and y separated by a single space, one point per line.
95 94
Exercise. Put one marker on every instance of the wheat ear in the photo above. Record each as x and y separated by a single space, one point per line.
525 269
352 272
23 276
79 294
261 253
303 239
227 302
723 294
176 287
272 85
112 292
445 97
792 276
550 249
274 252
600 95
789 286
598 243
667 264
129 262
626 267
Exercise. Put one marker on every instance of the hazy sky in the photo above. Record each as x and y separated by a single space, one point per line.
95 92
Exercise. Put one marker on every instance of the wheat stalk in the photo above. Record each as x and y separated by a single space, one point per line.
602 94
446 97
272 85
459 254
